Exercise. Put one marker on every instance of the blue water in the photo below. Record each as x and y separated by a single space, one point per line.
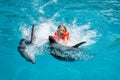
102 19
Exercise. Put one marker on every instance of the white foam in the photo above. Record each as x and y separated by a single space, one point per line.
24 30
42 32
81 33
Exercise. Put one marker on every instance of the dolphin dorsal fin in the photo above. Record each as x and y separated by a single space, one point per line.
77 45
32 34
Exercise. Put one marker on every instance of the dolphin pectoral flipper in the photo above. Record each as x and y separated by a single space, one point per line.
79 44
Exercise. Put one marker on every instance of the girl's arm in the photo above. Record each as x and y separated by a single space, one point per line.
65 41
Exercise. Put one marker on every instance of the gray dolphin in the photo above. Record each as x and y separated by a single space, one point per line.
23 45
58 50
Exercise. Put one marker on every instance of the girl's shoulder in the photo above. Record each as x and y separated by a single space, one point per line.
67 33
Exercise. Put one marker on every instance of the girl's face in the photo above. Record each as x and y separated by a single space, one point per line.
61 30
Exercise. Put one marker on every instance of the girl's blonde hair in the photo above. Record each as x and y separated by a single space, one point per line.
63 27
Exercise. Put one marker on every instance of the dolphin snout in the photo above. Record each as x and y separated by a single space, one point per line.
51 39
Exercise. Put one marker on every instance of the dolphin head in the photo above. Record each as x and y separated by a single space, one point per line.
51 39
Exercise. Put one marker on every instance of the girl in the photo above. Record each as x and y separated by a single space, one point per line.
62 35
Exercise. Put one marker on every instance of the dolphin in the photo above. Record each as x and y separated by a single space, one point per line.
58 50
22 48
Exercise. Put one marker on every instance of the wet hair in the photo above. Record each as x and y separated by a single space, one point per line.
63 27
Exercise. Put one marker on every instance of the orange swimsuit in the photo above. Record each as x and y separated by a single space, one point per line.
66 34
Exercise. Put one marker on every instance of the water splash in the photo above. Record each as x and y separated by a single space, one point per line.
81 33
25 30
43 30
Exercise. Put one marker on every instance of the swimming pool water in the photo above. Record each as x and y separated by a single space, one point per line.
97 22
